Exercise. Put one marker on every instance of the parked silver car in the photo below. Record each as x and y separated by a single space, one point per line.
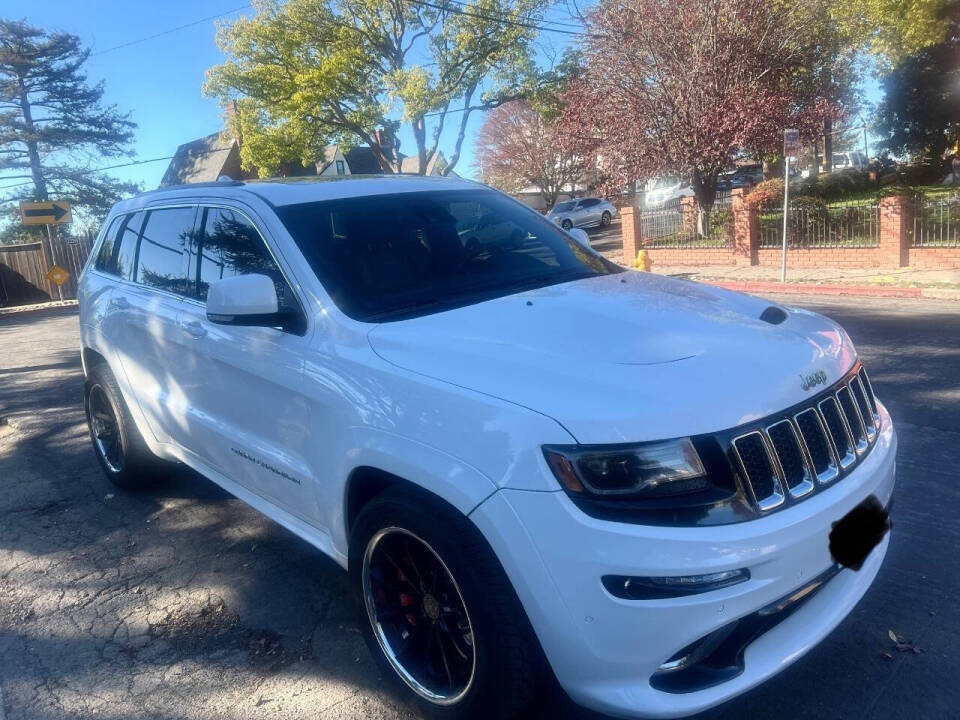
585 212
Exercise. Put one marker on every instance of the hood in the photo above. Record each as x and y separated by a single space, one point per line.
626 357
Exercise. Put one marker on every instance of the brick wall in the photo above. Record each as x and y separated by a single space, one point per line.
896 225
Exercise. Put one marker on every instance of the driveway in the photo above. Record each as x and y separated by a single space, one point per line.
184 603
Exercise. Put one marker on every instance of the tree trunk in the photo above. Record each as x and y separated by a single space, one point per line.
36 169
419 126
461 132
704 186
828 145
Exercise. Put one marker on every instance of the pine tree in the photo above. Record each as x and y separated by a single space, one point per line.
54 124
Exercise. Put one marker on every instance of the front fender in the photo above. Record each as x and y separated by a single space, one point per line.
434 470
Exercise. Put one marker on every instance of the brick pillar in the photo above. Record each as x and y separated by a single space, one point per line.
630 230
688 213
746 230
896 228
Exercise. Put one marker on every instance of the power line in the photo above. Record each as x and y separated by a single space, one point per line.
171 30
506 21
120 165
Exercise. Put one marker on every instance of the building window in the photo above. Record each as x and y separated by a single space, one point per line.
340 168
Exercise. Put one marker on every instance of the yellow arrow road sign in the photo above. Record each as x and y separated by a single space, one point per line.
45 213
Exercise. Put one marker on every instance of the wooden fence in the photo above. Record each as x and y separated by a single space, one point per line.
23 270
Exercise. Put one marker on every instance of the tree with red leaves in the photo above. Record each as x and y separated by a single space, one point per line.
519 147
681 86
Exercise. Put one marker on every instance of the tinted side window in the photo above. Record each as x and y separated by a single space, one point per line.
105 254
161 258
119 246
232 246
589 203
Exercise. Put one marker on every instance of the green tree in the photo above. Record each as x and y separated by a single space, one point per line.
919 115
892 29
305 73
54 124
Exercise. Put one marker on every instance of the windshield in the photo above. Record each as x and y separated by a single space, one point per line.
389 257
565 206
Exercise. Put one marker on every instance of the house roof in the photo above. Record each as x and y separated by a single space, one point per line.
201 160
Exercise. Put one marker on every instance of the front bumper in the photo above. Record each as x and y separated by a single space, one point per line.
604 650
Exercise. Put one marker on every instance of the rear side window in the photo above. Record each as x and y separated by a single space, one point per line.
589 203
162 254
117 252
230 245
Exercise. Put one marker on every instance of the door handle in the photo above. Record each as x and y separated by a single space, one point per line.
121 303
194 328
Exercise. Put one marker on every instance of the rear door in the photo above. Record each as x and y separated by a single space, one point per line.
247 417
144 330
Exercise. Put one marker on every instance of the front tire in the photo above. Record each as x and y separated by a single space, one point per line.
438 612
120 450
566 224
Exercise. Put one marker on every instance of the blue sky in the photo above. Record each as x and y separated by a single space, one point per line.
159 80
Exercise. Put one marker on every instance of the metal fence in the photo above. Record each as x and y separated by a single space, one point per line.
839 225
936 222
675 228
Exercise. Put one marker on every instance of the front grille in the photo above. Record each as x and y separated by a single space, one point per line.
791 456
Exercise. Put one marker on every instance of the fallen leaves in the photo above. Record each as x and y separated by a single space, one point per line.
901 644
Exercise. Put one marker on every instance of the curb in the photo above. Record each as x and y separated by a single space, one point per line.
810 289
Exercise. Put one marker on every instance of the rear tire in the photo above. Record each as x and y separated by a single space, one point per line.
605 219
438 612
120 450
566 224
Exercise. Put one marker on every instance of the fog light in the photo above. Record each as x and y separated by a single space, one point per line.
657 588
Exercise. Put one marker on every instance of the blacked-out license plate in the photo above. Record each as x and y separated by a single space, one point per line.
858 532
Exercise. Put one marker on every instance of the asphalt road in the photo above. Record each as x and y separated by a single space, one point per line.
184 603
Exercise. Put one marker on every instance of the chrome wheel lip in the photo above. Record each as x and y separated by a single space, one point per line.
384 643
98 396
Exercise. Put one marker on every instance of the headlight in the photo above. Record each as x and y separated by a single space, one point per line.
647 471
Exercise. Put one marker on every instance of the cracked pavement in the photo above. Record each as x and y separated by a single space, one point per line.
182 602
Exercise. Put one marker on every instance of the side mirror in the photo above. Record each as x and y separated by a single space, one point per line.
246 300
580 235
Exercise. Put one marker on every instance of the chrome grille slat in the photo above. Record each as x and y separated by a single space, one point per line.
794 468
819 449
790 457
839 432
758 463
851 415
863 405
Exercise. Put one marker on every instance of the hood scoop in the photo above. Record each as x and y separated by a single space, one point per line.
773 315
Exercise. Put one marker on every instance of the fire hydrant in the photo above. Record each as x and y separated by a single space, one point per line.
643 261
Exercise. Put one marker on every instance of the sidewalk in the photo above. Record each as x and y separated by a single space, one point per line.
894 282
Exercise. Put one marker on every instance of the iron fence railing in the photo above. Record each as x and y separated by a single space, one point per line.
839 225
936 222
677 228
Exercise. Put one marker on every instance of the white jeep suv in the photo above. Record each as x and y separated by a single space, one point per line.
528 459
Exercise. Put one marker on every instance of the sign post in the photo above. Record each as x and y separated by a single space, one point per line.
791 146
51 213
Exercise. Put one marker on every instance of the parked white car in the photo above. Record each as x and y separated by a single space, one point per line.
667 491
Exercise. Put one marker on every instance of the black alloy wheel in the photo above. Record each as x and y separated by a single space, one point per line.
419 616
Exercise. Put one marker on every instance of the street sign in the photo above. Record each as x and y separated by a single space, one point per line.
57 275
46 213
791 143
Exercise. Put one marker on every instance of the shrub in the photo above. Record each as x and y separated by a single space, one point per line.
893 190
833 186
767 195
921 173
